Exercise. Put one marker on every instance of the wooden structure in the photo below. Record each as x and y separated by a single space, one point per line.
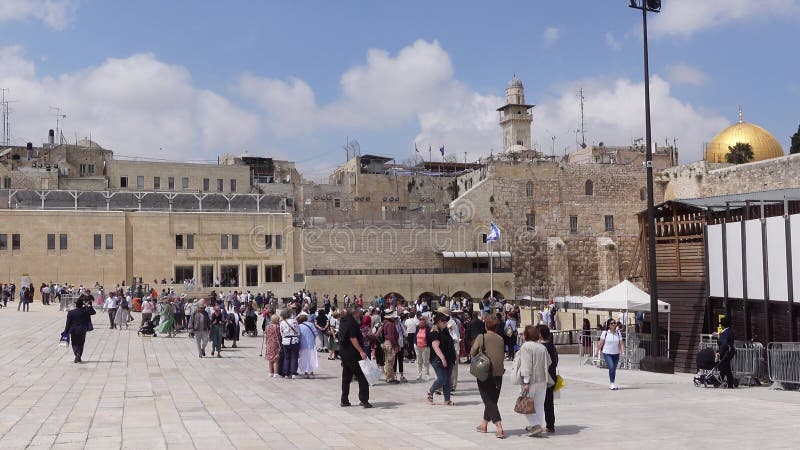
683 273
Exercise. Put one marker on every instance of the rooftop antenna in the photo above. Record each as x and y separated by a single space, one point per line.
583 128
59 123
6 118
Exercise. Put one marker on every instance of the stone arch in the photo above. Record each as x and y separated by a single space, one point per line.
529 189
588 187
462 294
396 295
497 294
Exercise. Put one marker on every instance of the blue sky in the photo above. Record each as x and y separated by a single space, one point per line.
192 79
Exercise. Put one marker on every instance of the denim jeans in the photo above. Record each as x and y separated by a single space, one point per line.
442 380
291 353
611 361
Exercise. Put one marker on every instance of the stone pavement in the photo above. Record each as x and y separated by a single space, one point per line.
152 393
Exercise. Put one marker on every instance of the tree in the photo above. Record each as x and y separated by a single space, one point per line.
740 153
795 148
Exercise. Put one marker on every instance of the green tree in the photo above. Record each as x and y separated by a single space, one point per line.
795 148
740 153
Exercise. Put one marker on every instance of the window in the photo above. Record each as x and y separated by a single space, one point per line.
235 241
278 241
189 242
91 169
123 182
233 185
273 274
109 242
185 183
62 242
207 276
643 194
206 184
16 243
183 273
98 242
483 238
268 241
171 183
140 182
223 242
51 241
337 203
588 188
529 189
573 224
179 242
3 242
6 182
530 219
251 275
156 182
229 275
609 223
220 185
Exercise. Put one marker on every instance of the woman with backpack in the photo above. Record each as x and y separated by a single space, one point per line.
612 346
123 313
491 344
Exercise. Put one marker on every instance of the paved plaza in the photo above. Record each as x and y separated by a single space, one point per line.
152 393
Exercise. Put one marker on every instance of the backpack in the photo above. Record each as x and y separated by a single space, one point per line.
123 304
509 331
481 365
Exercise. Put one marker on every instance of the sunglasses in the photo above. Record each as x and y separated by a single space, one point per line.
612 323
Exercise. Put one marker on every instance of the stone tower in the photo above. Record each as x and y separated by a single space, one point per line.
516 118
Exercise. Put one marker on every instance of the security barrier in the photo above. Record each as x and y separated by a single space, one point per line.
749 363
784 363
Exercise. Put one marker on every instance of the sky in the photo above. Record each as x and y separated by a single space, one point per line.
190 80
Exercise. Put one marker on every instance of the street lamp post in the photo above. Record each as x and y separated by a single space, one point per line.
651 6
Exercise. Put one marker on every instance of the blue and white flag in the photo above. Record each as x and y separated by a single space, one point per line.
442 150
494 233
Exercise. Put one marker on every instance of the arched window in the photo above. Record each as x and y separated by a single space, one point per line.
529 189
643 194
589 187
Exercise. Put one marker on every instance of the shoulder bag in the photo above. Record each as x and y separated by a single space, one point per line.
481 365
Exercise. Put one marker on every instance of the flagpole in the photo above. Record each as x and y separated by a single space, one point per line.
491 273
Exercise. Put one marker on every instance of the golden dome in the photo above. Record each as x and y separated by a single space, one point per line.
764 144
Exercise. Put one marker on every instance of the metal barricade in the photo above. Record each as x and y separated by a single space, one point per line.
748 363
67 302
784 363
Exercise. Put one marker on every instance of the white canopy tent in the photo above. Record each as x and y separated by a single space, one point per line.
627 297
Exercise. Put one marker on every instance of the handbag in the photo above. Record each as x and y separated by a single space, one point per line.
481 365
559 384
64 341
524 404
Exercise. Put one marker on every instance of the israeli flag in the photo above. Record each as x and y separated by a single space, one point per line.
494 234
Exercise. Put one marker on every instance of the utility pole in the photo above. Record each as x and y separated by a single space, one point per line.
6 118
583 128
59 124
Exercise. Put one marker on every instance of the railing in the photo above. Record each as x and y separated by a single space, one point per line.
432 271
748 365
784 364
637 346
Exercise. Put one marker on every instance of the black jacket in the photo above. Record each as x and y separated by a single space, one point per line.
726 344
551 349
79 320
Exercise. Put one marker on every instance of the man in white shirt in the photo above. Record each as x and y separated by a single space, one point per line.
454 327
111 306
411 325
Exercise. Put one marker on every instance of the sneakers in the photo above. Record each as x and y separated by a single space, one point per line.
535 430
430 398
403 379
613 387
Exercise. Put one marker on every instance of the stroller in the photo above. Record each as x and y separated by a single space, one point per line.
148 329
250 320
707 366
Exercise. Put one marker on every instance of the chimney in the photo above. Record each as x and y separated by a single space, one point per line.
51 137
30 151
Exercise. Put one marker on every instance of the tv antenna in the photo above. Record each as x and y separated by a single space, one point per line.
6 117
352 148
59 123
583 128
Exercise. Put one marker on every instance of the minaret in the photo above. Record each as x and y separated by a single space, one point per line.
516 118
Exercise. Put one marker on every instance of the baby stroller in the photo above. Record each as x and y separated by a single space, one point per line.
707 365
148 329
250 321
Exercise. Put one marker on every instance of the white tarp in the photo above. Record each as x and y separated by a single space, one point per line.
623 297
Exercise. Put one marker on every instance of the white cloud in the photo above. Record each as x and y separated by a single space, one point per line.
57 14
686 17
612 41
133 106
614 114
551 35
683 73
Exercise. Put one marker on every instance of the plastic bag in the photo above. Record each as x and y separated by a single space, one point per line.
559 383
64 341
371 371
